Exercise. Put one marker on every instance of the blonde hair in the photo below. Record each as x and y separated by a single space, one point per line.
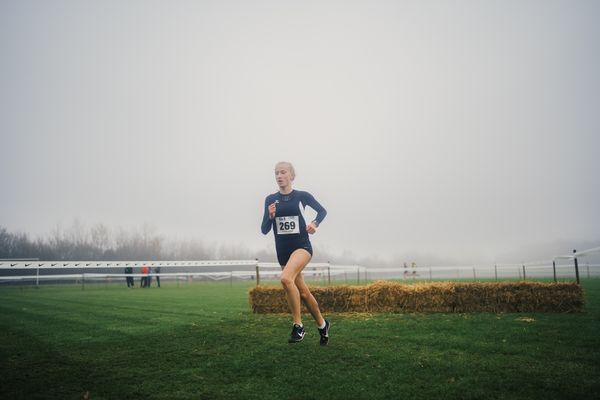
289 166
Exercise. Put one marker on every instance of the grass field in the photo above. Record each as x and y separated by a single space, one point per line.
202 342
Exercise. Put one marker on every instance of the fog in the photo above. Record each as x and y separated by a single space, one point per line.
454 131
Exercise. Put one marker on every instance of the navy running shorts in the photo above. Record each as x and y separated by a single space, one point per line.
284 252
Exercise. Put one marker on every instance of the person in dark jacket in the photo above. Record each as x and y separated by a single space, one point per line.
157 272
129 279
149 277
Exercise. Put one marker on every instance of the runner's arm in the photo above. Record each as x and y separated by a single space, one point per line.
315 205
266 222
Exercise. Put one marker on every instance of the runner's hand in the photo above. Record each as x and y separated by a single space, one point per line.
311 228
272 211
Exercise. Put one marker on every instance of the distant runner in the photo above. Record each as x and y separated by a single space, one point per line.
284 213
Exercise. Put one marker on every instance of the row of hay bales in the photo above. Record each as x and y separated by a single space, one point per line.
384 296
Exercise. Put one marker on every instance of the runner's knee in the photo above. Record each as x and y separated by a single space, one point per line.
286 281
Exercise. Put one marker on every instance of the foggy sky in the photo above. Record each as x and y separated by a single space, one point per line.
424 127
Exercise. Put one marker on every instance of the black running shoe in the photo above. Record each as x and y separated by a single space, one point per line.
297 334
324 333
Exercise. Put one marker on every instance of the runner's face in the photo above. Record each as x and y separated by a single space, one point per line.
283 176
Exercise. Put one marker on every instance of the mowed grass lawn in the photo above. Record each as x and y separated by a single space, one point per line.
202 342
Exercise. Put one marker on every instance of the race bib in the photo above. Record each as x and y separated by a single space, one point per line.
287 225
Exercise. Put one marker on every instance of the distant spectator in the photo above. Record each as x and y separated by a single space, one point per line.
144 280
129 279
157 272
149 277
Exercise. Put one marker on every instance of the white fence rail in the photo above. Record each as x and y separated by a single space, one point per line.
52 271
83 273
12 265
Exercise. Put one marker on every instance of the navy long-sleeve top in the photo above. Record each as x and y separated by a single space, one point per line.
289 223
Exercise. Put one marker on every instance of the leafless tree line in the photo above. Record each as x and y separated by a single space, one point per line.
100 243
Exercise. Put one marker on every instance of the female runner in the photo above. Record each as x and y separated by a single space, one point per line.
284 213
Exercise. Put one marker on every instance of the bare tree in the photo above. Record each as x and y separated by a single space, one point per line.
100 237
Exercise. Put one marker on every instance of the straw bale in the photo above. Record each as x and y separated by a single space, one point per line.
385 296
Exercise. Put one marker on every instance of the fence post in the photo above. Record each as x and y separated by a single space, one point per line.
524 275
257 276
576 269
496 272
328 274
474 276
358 275
554 269
37 278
